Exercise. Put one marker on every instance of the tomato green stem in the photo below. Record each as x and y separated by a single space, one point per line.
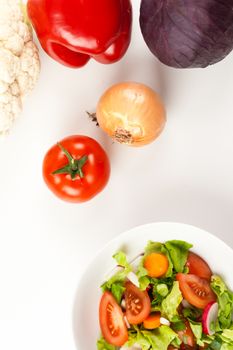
74 166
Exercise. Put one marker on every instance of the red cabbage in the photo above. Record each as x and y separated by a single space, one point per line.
188 33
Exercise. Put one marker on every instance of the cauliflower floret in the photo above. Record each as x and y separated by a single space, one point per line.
9 66
11 11
29 68
10 107
19 62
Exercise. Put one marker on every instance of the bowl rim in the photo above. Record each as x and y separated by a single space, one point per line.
120 237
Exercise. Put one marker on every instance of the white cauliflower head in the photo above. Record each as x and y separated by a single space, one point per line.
19 62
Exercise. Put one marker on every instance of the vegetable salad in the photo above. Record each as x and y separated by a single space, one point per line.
167 298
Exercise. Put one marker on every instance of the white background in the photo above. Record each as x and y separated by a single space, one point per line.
185 176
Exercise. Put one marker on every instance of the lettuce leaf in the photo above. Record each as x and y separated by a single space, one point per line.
103 345
117 290
192 313
214 344
139 339
225 302
178 251
170 304
143 278
226 346
161 287
159 338
197 331
121 259
227 336
220 341
115 284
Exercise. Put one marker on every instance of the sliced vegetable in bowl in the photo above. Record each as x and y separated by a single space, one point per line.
102 268
168 306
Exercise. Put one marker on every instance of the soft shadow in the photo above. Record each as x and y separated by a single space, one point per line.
198 207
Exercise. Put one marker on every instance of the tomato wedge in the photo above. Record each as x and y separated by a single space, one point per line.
195 290
111 321
137 304
198 266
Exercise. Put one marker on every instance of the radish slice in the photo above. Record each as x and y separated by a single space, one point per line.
126 322
132 277
209 317
123 304
135 261
111 273
186 304
164 321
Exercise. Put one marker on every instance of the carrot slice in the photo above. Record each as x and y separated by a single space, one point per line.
152 321
156 264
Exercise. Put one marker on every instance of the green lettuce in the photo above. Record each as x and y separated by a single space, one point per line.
220 340
103 345
225 302
178 251
137 337
115 284
121 259
162 337
143 278
170 304
117 290
227 336
215 343
197 331
192 313
226 346
159 338
161 287
218 343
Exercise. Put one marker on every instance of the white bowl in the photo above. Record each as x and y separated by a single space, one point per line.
85 317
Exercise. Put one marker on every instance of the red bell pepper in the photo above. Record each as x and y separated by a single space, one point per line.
73 31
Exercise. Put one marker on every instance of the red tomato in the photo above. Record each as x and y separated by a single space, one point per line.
76 169
198 266
111 320
137 304
186 336
195 290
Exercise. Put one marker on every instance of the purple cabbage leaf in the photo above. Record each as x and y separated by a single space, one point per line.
188 33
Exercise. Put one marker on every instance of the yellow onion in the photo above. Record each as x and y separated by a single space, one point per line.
131 113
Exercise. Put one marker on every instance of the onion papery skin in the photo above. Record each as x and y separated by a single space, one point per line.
131 113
